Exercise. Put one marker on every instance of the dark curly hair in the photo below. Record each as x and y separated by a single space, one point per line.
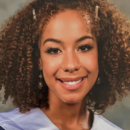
20 53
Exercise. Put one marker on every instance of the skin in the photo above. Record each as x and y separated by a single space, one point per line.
69 61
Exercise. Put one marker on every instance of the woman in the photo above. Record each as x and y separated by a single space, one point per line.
63 62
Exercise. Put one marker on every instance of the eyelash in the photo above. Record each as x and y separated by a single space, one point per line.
51 50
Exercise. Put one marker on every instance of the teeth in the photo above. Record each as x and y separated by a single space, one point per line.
73 82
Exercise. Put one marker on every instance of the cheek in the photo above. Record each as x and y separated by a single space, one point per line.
50 65
90 61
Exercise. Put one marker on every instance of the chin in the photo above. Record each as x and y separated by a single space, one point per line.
72 99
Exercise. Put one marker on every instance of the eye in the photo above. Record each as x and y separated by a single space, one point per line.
85 47
53 50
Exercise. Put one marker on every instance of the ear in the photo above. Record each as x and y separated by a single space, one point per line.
40 64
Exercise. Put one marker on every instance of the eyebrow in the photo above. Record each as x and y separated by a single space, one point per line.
58 41
83 38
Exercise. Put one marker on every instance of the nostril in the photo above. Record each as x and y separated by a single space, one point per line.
66 70
76 69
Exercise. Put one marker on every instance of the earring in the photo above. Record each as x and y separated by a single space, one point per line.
98 80
34 14
40 84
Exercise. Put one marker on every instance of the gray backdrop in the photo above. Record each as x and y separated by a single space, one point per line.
120 112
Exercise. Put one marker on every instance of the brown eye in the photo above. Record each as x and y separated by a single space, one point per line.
53 50
85 47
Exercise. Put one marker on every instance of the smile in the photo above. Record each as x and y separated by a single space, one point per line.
72 83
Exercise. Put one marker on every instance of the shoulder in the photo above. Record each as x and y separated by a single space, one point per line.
34 119
101 123
7 119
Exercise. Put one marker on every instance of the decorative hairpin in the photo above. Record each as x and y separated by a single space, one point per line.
34 14
96 12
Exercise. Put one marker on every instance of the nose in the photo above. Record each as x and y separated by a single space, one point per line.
70 62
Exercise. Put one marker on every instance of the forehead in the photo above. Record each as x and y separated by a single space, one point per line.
69 22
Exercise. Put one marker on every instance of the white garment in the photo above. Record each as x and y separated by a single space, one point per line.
37 120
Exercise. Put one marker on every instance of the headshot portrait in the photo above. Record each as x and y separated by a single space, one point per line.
64 65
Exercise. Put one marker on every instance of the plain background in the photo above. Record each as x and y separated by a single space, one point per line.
120 112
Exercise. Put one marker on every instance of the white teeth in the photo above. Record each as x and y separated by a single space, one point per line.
73 82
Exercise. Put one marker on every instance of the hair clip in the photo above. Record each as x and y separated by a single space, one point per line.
96 12
34 14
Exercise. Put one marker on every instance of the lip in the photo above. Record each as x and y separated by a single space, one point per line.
71 79
72 87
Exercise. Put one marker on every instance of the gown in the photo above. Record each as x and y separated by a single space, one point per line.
36 119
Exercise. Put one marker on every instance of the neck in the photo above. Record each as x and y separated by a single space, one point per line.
60 112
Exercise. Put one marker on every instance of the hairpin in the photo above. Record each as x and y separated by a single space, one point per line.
96 12
34 14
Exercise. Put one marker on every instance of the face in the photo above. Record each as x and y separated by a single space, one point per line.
69 57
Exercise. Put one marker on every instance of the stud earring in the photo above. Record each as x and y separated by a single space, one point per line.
40 84
98 80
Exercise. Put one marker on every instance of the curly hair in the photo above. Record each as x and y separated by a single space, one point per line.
20 53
